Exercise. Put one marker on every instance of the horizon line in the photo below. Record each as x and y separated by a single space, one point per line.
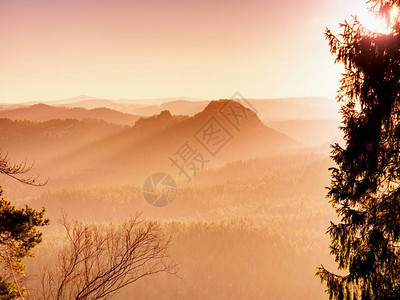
154 99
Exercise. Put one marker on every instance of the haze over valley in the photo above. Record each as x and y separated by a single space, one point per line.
265 186
185 149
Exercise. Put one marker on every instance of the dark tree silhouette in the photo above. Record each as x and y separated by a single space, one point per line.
365 187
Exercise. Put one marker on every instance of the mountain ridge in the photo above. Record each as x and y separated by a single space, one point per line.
113 153
43 112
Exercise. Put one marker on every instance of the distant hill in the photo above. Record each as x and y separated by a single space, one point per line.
43 112
92 102
44 141
91 150
326 148
61 102
143 108
153 143
308 132
268 110
250 139
8 106
314 108
96 103
178 107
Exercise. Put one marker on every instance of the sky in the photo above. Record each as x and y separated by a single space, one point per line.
203 49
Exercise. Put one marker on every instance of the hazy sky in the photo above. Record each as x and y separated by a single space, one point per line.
53 49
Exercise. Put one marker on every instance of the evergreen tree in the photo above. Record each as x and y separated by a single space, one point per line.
18 231
365 186
18 235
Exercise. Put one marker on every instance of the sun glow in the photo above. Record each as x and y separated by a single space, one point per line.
377 23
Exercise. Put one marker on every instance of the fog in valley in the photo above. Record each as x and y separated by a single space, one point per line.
246 213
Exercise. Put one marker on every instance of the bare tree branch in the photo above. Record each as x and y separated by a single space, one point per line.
100 260
14 170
